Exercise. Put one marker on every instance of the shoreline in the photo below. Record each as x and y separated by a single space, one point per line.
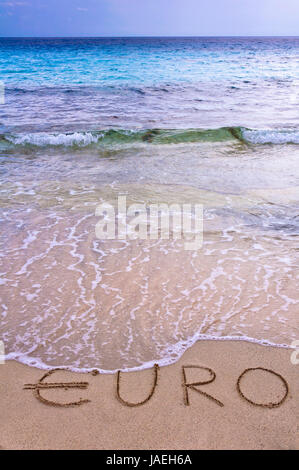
38 364
164 421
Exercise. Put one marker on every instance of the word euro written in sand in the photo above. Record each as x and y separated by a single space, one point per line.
186 385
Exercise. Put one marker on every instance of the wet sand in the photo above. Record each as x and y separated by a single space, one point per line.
72 299
163 422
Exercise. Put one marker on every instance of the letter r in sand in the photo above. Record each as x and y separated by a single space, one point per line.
193 385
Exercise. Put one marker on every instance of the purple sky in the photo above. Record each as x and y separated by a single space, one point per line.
149 17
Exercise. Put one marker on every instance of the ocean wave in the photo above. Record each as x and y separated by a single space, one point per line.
152 136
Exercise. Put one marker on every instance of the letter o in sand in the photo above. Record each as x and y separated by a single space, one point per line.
265 405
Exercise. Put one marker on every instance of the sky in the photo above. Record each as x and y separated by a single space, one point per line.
149 18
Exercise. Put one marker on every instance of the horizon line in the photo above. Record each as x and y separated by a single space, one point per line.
149 36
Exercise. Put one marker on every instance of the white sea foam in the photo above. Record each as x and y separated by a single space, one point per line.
42 139
271 136
172 357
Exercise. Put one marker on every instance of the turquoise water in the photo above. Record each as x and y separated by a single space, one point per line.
211 121
80 84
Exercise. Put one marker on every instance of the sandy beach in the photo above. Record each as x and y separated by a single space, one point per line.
163 422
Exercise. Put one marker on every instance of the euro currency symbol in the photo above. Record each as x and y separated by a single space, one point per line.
41 385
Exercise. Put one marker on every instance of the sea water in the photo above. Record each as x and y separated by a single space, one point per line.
210 121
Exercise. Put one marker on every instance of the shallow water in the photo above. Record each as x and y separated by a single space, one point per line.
176 121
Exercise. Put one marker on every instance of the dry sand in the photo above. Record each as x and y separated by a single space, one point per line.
164 422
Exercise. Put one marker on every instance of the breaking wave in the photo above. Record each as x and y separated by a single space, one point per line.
151 136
